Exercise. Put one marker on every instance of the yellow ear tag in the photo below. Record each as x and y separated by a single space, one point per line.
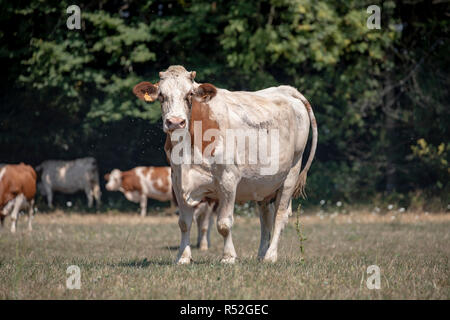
147 97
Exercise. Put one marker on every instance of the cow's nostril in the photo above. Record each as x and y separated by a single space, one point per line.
175 123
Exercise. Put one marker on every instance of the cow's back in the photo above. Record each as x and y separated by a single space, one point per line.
69 176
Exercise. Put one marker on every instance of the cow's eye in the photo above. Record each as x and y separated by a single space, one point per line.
189 97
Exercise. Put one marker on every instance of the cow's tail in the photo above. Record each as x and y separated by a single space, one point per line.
301 182
95 181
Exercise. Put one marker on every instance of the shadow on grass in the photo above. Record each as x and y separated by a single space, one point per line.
171 248
175 248
144 263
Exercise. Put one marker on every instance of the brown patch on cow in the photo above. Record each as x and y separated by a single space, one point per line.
107 176
168 147
146 91
309 109
130 181
162 174
145 171
17 179
206 92
201 111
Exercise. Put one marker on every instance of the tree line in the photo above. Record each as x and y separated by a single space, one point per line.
380 96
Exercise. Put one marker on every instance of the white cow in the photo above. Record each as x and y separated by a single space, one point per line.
70 177
209 121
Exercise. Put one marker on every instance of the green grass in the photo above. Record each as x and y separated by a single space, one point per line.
125 257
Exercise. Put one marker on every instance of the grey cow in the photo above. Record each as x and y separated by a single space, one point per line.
69 177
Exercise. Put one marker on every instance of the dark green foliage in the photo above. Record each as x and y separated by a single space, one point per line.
380 96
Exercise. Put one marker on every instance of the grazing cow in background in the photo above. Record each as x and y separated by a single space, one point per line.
141 183
17 191
190 109
70 177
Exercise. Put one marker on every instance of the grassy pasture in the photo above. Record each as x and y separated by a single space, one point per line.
123 256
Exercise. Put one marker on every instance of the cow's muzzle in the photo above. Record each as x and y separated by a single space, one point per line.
175 123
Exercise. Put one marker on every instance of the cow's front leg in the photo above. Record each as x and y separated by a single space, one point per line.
185 223
224 226
49 194
227 197
90 197
143 204
15 213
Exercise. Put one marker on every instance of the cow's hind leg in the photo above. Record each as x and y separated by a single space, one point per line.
266 217
173 208
203 224
283 209
18 201
2 221
97 195
185 223
143 205
30 215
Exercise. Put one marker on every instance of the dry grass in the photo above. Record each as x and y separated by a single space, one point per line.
126 257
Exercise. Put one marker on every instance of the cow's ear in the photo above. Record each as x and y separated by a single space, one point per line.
107 177
146 91
205 92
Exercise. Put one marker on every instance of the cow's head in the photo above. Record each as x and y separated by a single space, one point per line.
175 91
114 180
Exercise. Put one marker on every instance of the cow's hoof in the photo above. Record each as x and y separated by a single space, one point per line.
203 247
184 260
228 260
270 258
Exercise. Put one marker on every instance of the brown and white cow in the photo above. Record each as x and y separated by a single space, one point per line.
17 191
70 177
219 117
141 183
